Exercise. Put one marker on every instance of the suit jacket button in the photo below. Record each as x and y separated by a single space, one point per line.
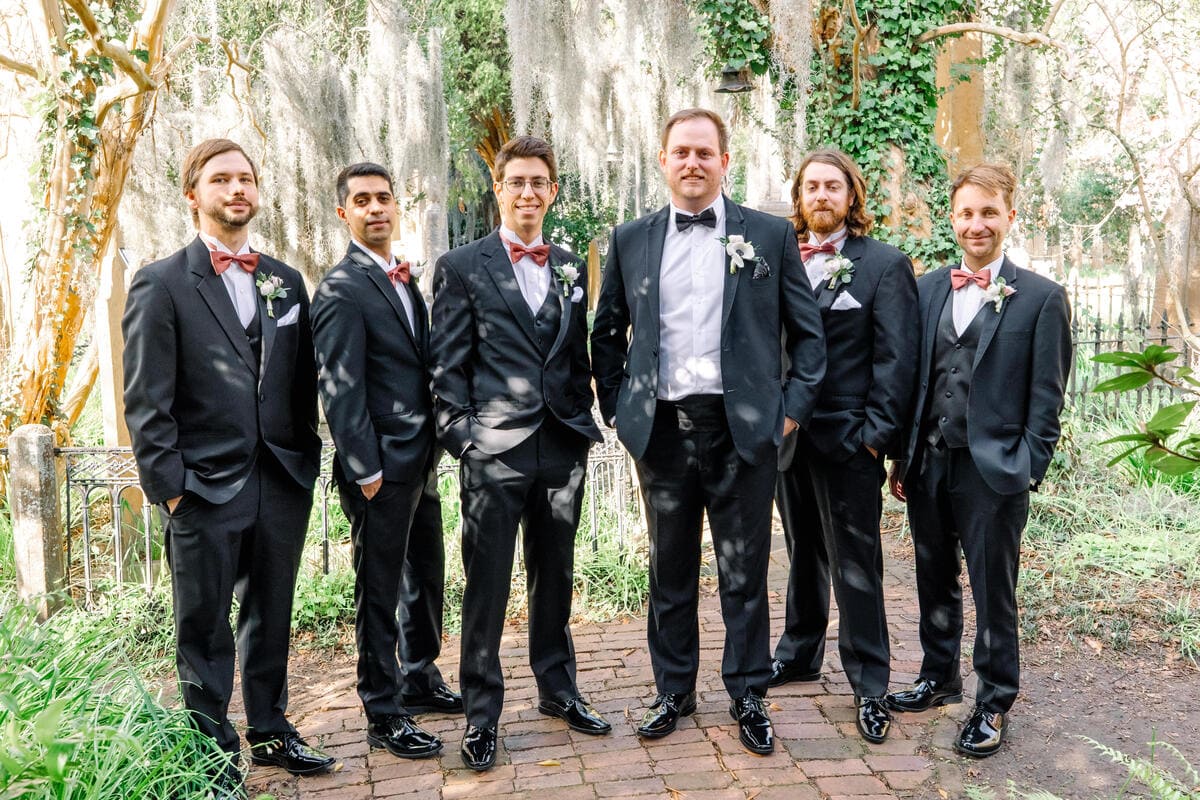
949 394
958 347
262 398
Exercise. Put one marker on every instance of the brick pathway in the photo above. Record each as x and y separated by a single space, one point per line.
819 755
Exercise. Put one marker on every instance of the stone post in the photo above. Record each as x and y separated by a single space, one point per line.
36 525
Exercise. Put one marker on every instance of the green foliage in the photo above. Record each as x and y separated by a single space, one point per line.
735 36
323 607
577 218
1090 197
1165 442
77 721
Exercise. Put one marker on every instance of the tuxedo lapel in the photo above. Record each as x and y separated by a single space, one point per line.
938 297
991 317
565 307
656 237
420 316
376 275
498 265
216 297
735 225
268 323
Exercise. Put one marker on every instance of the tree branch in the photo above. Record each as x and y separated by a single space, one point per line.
110 49
1045 29
1020 37
19 67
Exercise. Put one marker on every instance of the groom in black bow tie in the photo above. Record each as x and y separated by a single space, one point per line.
995 354
687 358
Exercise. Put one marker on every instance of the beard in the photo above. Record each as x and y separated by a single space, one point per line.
822 220
229 219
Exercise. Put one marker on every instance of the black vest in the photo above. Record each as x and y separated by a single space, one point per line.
953 365
545 321
254 336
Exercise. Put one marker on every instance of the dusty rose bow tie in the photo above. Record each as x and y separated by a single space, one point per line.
401 272
807 249
221 261
961 277
539 253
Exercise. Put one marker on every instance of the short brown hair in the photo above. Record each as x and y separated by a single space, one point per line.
995 178
698 113
525 147
859 219
201 154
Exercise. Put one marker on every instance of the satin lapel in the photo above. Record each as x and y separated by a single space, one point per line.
383 283
656 237
937 306
991 317
420 315
212 291
735 225
268 324
564 306
497 265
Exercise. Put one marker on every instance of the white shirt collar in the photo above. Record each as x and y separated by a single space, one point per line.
838 238
993 266
510 236
718 207
386 265
216 244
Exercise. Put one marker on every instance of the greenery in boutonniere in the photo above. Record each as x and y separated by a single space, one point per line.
838 269
271 288
997 292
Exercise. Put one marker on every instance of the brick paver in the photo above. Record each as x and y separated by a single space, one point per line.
819 754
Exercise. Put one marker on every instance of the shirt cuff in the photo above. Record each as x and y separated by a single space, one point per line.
370 478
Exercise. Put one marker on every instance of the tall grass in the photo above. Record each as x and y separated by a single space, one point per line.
77 722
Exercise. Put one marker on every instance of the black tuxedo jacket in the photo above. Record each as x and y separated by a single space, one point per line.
492 385
1020 371
871 353
753 314
197 405
374 379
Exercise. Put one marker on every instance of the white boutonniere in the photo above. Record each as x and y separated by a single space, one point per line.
567 275
838 269
741 253
271 288
416 270
997 292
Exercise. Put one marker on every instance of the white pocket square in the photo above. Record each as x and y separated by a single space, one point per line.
845 302
290 317
576 294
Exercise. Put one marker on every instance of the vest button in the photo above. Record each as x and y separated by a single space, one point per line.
945 419
958 347
949 394
954 370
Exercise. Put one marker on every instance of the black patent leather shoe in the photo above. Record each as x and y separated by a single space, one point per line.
983 734
479 748
754 726
783 672
402 737
292 753
578 714
925 694
440 700
873 719
663 715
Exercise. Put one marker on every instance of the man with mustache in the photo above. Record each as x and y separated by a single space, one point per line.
221 403
686 352
829 494
995 355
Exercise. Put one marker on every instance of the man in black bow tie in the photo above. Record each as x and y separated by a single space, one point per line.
687 359
831 474
995 354
513 396
221 402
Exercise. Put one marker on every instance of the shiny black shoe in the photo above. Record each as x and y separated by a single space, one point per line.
578 714
754 726
479 748
400 736
663 715
292 753
983 734
782 672
440 700
925 694
873 719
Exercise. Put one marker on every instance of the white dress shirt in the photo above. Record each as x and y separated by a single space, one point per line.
238 282
969 299
533 280
815 266
691 290
401 289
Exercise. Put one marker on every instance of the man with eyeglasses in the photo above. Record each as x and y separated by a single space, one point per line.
513 399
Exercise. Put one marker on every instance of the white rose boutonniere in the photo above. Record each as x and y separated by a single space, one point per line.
838 269
741 252
567 275
997 292
416 270
271 288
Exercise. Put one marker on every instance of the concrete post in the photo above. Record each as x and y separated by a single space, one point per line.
37 527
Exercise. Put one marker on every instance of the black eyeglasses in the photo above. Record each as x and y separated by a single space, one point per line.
517 185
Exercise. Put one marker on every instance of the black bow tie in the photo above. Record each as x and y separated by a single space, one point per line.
707 218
